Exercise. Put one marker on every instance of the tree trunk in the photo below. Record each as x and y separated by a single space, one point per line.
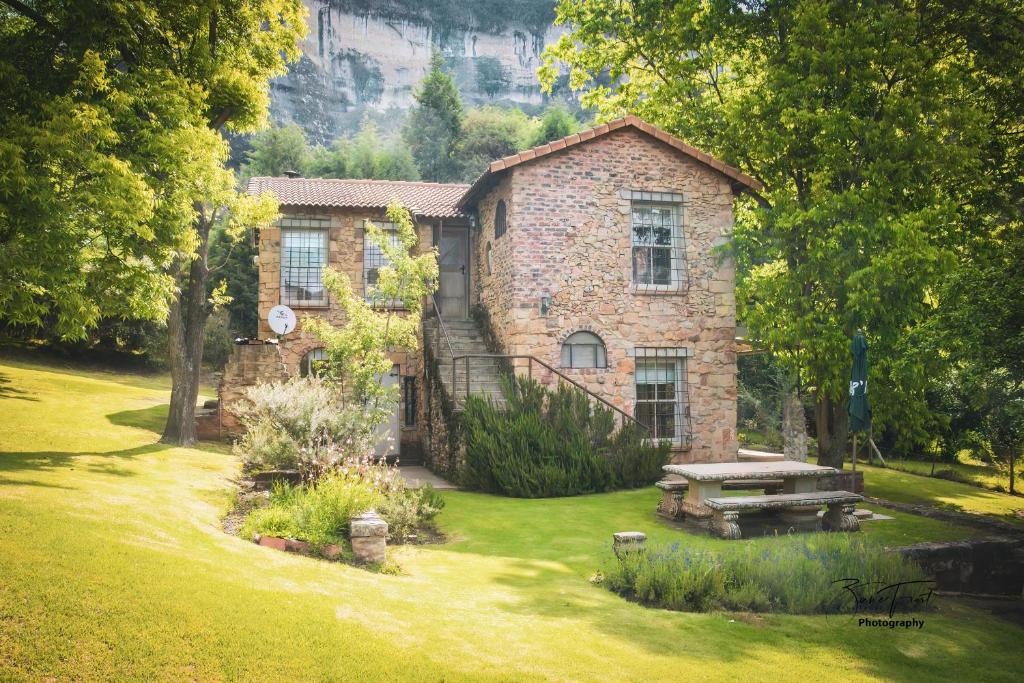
833 427
185 326
794 426
1012 463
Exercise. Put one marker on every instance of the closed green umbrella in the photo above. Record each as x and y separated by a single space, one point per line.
858 408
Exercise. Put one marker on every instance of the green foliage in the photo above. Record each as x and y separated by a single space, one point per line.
383 321
552 443
487 134
794 575
317 513
433 127
276 150
407 510
232 262
302 424
556 122
217 340
111 142
871 125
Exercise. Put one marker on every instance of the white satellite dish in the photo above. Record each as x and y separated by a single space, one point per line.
281 319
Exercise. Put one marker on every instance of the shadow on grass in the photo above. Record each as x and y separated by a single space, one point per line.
50 461
151 419
9 391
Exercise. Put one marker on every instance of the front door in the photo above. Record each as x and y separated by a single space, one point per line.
387 433
454 263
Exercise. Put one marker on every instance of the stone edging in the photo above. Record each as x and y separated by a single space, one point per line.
290 545
948 515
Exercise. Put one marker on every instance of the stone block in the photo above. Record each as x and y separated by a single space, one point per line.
369 537
624 542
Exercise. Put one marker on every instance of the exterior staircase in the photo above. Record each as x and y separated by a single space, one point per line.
465 338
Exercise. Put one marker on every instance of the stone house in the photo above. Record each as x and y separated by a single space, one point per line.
591 259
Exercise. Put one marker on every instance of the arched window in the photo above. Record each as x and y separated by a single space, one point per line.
500 219
312 362
584 350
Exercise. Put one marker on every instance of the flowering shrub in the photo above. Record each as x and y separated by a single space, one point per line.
303 424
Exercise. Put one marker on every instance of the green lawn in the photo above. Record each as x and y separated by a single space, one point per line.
971 470
113 565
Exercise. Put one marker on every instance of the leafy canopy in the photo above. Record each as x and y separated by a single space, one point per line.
864 121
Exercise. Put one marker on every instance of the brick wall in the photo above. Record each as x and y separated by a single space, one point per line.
569 238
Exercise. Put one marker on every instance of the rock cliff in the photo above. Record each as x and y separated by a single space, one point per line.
368 55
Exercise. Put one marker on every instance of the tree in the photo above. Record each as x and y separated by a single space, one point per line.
228 51
277 150
358 351
867 124
556 122
83 227
487 134
432 129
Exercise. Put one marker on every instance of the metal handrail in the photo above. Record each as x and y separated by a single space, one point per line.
443 327
532 360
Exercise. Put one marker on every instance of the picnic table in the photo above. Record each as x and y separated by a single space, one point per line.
799 493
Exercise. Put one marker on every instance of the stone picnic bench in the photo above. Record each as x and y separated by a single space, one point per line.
799 500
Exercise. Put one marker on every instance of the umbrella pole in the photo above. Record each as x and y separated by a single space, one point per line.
853 458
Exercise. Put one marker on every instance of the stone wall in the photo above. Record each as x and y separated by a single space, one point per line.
569 238
988 566
249 365
345 252
442 447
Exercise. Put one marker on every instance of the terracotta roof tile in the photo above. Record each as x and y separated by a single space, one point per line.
435 200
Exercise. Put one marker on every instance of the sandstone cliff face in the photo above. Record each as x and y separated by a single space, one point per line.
364 55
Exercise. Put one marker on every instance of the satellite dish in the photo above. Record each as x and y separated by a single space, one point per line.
281 319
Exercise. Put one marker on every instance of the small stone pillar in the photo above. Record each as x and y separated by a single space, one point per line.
624 542
369 537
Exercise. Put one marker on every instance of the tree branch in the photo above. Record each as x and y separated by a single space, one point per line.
29 13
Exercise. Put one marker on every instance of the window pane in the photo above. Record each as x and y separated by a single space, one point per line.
642 265
303 256
374 259
662 270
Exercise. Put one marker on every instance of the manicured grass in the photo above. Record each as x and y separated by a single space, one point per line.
113 566
904 487
971 471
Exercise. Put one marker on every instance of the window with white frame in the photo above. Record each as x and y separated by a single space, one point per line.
584 350
303 257
662 404
658 254
373 260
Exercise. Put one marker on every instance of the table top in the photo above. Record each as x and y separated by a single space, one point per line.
720 471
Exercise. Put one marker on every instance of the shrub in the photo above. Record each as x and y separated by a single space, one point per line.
552 443
301 424
796 576
318 513
407 510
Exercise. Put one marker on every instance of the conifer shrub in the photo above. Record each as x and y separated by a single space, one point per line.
543 443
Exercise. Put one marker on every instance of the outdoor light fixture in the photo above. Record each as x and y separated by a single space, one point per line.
545 304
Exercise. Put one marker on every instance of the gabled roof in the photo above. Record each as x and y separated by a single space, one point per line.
501 165
433 200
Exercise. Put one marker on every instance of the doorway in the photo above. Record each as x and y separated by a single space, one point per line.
453 297
387 434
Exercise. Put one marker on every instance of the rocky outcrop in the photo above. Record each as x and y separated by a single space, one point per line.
368 55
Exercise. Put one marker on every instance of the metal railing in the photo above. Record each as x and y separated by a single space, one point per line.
515 363
510 364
